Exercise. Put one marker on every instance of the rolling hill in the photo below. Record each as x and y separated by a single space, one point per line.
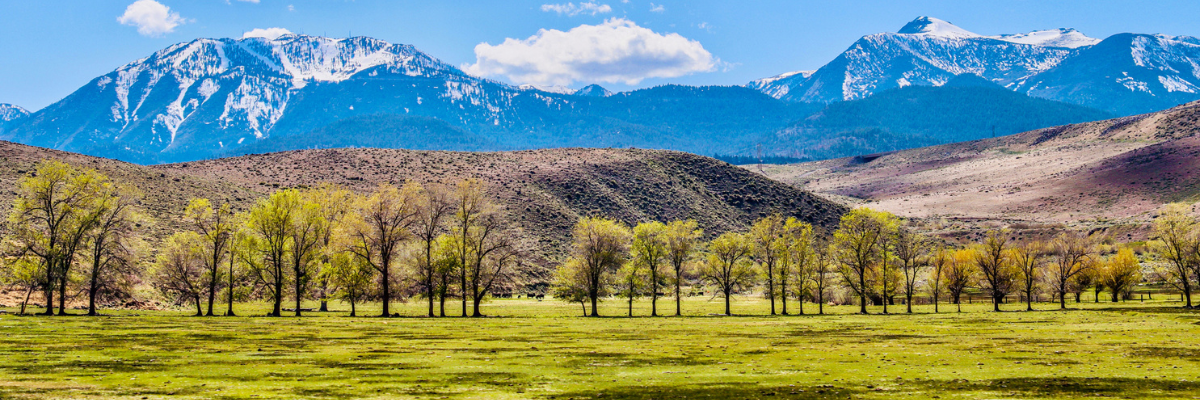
541 192
1097 174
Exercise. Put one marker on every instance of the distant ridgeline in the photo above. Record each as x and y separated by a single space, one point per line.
930 83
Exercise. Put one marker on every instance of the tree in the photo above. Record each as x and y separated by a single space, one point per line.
271 224
308 225
799 263
179 270
683 238
333 203
492 256
469 205
858 244
823 273
998 275
630 282
214 224
1121 272
959 274
940 261
570 284
910 250
649 253
23 272
728 267
352 277
768 248
113 269
1177 243
433 207
1070 254
445 267
379 228
599 248
53 212
1028 260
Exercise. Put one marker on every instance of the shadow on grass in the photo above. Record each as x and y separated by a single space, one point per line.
1068 387
713 391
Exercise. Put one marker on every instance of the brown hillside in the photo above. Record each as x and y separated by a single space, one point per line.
545 191
1090 175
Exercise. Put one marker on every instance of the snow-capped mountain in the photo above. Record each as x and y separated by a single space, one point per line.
593 90
216 97
1155 71
207 95
12 112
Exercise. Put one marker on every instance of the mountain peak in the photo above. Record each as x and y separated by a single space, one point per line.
593 90
1062 37
930 26
9 112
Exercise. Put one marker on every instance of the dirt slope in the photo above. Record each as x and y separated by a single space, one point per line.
1098 174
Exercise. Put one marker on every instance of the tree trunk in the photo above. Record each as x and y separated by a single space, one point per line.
92 298
862 295
229 313
770 290
935 304
28 293
594 313
631 306
654 291
62 295
353 311
199 307
783 298
387 290
908 303
297 298
996 303
49 295
727 302
678 309
212 290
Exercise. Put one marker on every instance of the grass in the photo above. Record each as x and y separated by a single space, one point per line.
544 350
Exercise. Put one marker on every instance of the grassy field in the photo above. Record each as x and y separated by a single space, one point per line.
532 349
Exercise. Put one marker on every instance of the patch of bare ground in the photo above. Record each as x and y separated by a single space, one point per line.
1107 175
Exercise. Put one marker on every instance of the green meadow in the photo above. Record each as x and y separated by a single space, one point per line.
545 350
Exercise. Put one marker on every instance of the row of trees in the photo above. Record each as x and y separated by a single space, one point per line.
871 256
74 229
74 232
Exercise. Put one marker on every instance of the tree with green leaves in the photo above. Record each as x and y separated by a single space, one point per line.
959 274
334 203
215 226
859 244
1120 272
768 248
683 242
728 267
54 210
570 285
179 269
630 283
600 247
113 247
351 277
308 225
823 273
271 224
799 262
649 254
938 263
379 228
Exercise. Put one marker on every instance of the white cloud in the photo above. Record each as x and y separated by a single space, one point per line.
657 8
616 51
291 7
250 1
572 9
269 33
151 18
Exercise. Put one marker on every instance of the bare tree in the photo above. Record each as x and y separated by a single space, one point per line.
823 273
1071 252
1178 244
434 206
991 258
1028 260
729 268
911 251
179 272
470 204
683 239
493 256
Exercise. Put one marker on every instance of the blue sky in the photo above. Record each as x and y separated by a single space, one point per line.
51 48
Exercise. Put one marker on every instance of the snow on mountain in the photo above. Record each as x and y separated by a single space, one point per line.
1058 64
593 90
935 28
10 112
1063 37
548 89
